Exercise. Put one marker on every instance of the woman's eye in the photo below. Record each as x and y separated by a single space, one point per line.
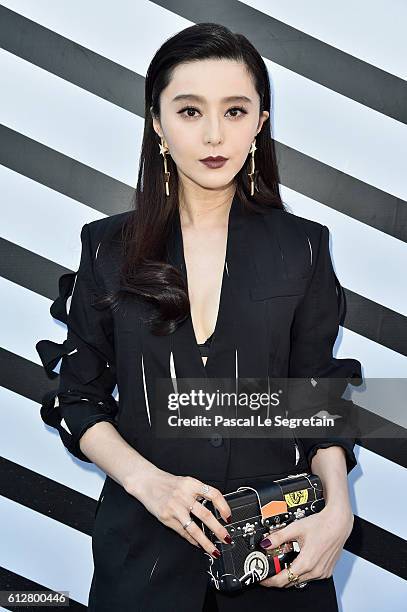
191 109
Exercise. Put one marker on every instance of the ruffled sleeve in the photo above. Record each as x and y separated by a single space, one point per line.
313 334
87 374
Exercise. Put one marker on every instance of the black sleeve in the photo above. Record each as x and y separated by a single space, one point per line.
87 374
313 334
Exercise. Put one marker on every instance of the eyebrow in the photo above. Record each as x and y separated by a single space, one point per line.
181 97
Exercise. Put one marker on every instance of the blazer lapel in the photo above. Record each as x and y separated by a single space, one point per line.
238 347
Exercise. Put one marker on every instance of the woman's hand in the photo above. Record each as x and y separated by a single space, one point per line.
321 538
169 498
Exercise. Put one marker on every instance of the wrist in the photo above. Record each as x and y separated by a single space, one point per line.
139 480
340 511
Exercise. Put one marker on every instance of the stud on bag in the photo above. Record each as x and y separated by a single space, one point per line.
255 512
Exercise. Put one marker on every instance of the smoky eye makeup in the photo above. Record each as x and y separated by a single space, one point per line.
241 109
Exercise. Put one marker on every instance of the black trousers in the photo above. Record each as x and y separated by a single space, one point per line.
318 594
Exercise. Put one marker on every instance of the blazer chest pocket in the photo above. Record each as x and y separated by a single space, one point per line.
279 288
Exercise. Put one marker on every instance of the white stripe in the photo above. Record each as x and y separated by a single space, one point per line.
362 586
361 255
42 209
310 249
69 119
173 375
65 426
353 27
338 131
377 360
39 448
368 501
145 390
60 557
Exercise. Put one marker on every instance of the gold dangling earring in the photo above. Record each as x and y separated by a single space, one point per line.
251 174
163 151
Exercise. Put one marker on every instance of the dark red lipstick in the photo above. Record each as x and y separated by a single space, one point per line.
214 162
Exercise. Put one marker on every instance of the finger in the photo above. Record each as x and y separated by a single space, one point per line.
197 534
279 535
176 526
215 496
207 517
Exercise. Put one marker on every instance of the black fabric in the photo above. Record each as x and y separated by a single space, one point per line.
313 335
205 346
86 378
278 317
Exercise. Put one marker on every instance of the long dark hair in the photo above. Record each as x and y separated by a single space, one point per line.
144 272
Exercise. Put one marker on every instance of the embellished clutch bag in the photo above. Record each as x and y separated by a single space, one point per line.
255 512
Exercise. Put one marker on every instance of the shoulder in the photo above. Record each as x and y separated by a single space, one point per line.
108 227
104 246
291 223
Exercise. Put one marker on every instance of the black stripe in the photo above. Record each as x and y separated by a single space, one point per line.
9 581
376 322
71 61
46 496
275 40
363 316
379 546
30 380
63 174
30 270
342 192
303 54
298 171
125 88
76 510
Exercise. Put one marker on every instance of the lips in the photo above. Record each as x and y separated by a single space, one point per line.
214 162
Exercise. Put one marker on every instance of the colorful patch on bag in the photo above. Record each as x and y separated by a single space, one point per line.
296 498
273 508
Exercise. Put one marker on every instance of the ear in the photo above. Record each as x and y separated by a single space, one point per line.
156 125
263 117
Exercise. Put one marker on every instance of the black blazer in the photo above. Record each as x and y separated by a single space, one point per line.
280 309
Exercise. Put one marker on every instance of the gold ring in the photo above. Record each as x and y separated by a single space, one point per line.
291 576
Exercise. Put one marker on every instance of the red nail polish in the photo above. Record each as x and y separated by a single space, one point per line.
228 539
216 553
229 519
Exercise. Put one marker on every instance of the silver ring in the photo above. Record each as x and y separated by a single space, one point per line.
205 488
300 585
188 523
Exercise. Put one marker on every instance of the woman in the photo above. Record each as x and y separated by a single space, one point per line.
208 277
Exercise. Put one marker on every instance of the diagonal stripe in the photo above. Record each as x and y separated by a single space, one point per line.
9 581
303 54
366 318
376 322
74 509
378 546
65 58
29 380
61 503
63 174
319 182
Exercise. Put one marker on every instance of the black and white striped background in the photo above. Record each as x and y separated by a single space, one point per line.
71 104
